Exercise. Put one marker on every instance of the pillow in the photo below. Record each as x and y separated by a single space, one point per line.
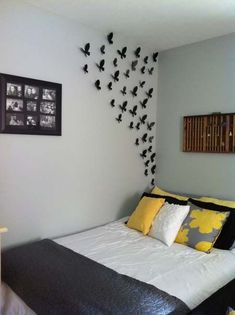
161 192
227 236
201 228
219 202
143 216
230 311
168 222
167 198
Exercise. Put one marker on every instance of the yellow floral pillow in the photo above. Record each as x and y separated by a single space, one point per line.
201 228
230 311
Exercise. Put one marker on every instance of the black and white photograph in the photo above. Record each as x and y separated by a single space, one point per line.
15 120
49 95
14 105
31 92
14 89
31 106
48 108
47 121
32 121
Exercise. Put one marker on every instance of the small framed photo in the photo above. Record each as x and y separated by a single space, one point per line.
48 95
14 119
31 92
48 108
14 90
29 106
47 121
14 105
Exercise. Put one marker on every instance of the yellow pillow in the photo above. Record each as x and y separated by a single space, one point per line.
143 216
201 228
220 202
161 192
230 311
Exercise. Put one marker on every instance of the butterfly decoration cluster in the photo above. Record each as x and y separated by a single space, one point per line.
134 104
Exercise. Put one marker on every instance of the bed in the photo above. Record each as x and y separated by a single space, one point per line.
180 271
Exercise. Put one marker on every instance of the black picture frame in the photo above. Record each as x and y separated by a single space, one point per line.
29 106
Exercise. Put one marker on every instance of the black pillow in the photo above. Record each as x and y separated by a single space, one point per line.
168 199
227 235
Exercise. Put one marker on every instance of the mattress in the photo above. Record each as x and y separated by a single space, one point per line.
190 275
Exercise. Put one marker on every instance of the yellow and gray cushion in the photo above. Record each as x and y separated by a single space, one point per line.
230 311
201 228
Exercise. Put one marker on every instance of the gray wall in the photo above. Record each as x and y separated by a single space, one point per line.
195 79
51 186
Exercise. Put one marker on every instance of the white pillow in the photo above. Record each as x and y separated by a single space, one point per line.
168 222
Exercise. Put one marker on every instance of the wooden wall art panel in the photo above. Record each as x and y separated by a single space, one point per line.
213 133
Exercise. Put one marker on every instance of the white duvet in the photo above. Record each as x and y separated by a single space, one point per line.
181 271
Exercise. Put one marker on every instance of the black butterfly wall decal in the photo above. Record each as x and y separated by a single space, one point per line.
146 59
119 118
150 149
147 163
152 157
153 169
144 138
123 91
112 102
137 52
137 142
146 172
115 76
155 55
85 68
151 139
134 65
100 65
122 53
149 93
143 70
115 62
150 125
151 70
127 73
142 83
143 154
143 103
143 119
97 84
152 182
110 86
86 49
131 126
133 111
102 49
110 38
123 106
137 126
134 91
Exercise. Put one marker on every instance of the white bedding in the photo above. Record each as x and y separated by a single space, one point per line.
181 271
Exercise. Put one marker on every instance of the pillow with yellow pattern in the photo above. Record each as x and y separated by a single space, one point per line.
230 311
201 228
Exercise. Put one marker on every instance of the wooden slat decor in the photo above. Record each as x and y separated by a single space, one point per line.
213 133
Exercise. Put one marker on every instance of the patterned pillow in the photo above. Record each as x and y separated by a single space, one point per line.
201 228
230 311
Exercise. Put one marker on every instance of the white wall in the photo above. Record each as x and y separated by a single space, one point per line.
51 186
195 79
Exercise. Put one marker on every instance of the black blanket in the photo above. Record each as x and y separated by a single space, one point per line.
54 280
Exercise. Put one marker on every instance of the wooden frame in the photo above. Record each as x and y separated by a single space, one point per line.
213 133
29 106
